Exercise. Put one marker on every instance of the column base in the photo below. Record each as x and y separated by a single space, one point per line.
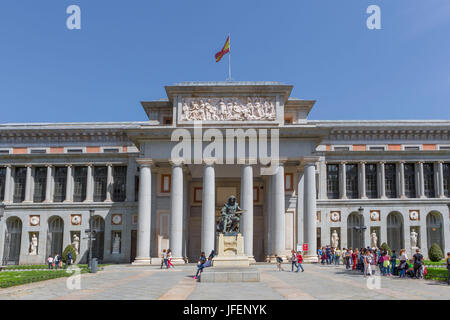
108 201
310 259
251 260
88 201
67 201
144 261
178 261
27 201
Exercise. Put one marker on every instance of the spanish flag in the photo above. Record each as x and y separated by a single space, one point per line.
224 51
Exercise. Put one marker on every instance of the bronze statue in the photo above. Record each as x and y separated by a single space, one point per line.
230 217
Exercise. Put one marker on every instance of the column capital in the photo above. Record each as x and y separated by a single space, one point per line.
362 162
145 162
109 164
420 162
28 165
440 161
48 165
89 164
69 165
209 161
178 162
247 161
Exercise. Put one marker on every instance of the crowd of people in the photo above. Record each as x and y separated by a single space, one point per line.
56 262
367 260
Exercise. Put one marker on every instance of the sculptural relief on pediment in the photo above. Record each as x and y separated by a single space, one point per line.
228 109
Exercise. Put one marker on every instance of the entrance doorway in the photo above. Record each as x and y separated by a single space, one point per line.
13 238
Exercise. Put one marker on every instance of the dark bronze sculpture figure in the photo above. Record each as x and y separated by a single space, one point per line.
229 222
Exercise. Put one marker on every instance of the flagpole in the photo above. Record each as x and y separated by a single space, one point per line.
229 58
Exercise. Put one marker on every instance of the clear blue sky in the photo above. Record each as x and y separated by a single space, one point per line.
127 51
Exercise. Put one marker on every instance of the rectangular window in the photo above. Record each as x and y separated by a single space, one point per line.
2 183
136 188
38 151
40 183
60 184
446 174
165 183
74 150
333 181
120 183
412 148
80 184
410 180
341 148
390 180
111 150
351 180
100 176
20 178
288 181
371 181
4 151
428 179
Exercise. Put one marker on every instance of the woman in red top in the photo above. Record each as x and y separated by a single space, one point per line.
169 259
354 256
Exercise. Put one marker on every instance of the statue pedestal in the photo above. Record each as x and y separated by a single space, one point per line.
413 251
230 251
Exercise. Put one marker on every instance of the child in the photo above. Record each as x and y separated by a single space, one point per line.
279 262
164 258
50 262
448 268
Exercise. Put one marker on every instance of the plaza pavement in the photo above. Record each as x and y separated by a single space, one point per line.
119 282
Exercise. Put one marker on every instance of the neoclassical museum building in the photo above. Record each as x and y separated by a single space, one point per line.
299 181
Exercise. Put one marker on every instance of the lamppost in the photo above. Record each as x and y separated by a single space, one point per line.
91 218
2 210
361 228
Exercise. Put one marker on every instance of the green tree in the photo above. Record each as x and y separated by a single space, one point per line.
386 248
68 249
435 253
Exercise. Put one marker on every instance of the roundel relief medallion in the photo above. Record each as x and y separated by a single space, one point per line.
35 220
414 215
75 219
335 216
374 215
116 219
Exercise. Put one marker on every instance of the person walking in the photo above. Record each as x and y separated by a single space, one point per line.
50 262
319 254
163 258
393 261
279 262
69 259
169 259
337 256
299 258
418 261
348 256
448 268
403 266
328 252
354 256
293 260
367 264
56 261
200 264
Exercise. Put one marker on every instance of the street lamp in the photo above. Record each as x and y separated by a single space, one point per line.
91 218
2 210
361 228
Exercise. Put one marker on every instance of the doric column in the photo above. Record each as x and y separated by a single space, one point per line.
322 180
247 205
382 180
279 234
309 213
69 184
28 185
401 179
144 212
300 208
208 207
440 179
8 185
89 184
362 180
49 184
421 188
109 182
176 213
342 181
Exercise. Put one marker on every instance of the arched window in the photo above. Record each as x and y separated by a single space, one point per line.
395 239
435 230
13 238
355 236
55 236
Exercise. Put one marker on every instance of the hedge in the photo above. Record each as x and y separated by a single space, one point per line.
23 277
437 274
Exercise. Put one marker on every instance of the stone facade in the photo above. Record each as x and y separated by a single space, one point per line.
391 177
